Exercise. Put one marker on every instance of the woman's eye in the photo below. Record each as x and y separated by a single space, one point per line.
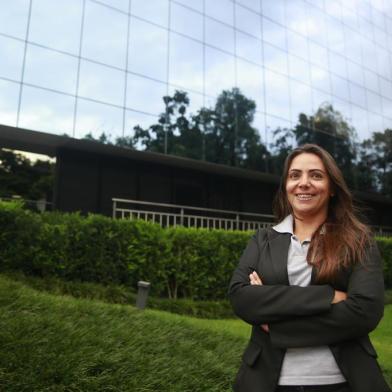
294 175
317 176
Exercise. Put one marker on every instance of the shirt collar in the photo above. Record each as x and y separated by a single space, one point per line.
286 226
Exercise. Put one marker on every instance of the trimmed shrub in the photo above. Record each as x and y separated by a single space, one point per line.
179 262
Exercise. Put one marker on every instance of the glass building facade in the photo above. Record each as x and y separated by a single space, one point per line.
90 66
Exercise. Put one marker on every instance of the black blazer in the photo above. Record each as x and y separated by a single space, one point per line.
304 316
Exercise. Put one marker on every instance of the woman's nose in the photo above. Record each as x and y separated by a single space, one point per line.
304 181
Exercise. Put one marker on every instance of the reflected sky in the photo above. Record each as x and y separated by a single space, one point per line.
98 66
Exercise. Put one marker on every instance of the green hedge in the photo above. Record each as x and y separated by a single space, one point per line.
179 262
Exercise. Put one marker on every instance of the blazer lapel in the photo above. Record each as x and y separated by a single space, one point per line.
279 247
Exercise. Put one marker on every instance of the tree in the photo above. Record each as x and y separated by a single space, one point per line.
228 136
223 134
164 136
376 154
330 130
19 176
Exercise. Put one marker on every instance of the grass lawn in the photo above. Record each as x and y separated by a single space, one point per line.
59 343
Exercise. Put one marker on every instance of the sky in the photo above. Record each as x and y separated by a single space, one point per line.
94 66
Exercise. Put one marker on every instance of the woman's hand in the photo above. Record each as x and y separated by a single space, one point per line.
339 296
256 280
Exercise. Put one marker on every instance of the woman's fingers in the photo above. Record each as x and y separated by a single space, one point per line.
255 279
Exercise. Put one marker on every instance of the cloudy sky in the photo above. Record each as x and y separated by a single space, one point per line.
80 66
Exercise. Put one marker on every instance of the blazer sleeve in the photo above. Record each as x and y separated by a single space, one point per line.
268 303
358 315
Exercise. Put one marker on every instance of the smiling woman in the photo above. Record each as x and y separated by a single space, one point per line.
312 288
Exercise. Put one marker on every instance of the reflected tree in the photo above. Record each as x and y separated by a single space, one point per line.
376 154
330 130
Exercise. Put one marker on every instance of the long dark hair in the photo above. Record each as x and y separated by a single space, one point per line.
344 239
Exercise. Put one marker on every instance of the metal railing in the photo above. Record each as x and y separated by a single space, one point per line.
179 215
382 231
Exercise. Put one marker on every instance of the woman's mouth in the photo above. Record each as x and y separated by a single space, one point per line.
304 196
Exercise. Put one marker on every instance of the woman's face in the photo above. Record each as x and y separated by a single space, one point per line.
308 186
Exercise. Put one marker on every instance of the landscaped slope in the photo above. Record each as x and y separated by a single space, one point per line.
59 343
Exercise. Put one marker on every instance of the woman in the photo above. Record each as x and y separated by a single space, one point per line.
312 287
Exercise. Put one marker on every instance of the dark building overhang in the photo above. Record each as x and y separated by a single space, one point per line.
50 144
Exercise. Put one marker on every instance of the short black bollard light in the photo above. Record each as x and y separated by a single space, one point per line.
142 294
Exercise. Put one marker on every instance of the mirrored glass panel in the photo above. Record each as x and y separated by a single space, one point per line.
274 10
60 69
259 124
187 22
248 21
272 124
373 102
13 17
96 118
320 98
316 25
357 95
376 123
383 64
196 100
219 35
222 10
297 45
105 35
366 29
155 11
251 4
296 17
57 24
355 73
194 4
353 47
334 9
133 119
318 55
274 34
359 120
141 90
9 96
337 64
340 88
277 95
386 88
336 41
11 54
370 52
101 83
386 107
371 80
121 5
250 82
349 15
249 48
220 72
299 69
46 111
301 99
186 63
151 62
275 59
381 37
